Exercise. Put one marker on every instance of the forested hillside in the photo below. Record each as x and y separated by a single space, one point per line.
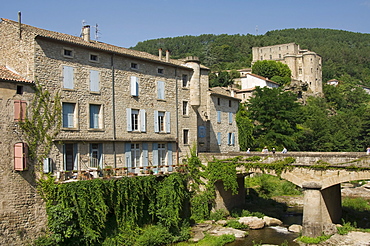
344 53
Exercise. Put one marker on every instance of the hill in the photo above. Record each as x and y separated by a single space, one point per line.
345 54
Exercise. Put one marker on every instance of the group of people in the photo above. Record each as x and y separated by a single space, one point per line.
265 150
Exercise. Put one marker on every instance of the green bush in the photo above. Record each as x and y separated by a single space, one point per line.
153 236
216 241
313 240
236 225
219 214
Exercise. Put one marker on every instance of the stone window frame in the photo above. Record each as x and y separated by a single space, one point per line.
134 66
66 49
160 70
100 117
95 56
75 116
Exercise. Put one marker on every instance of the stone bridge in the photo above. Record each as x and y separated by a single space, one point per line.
318 174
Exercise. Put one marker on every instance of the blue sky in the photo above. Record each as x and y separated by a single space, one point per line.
125 23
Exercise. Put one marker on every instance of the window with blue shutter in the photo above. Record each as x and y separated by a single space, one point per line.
68 115
128 156
168 122
94 81
160 90
94 116
169 157
156 126
155 156
134 86
218 116
128 119
68 76
219 138
232 138
145 155
230 118
142 120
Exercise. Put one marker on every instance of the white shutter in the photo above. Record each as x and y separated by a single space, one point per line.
168 122
94 80
160 89
156 126
128 119
142 120
68 77
134 86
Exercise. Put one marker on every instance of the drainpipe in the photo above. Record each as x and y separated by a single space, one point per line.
113 115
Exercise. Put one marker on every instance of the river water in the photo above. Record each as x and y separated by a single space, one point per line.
276 235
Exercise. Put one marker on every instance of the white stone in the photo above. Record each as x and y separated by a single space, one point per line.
253 222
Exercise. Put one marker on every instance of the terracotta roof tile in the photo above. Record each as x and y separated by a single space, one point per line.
7 75
38 32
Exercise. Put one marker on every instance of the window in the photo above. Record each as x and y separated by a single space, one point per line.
270 57
261 58
20 110
186 136
162 122
95 116
70 157
94 81
219 138
184 80
68 77
136 120
69 115
96 157
229 103
135 155
230 138
160 70
230 118
161 154
218 116
19 89
279 55
218 101
134 65
185 108
67 53
160 90
134 86
94 58
20 156
300 70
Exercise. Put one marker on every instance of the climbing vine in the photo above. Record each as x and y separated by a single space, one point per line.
43 124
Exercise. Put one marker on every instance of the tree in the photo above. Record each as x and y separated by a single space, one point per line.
275 115
245 128
274 70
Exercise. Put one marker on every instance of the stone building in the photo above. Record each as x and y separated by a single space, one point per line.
306 66
21 209
121 109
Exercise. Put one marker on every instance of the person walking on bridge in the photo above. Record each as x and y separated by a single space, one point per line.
284 151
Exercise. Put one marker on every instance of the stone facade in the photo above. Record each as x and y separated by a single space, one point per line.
306 66
22 212
121 108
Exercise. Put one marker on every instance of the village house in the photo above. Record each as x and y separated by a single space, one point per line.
122 109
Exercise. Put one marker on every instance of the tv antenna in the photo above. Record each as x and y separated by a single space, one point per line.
257 30
97 32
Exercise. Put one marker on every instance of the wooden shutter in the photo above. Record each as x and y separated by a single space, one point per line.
142 120
168 122
160 89
145 155
20 156
219 138
232 138
218 116
169 157
68 77
134 86
128 156
230 118
20 110
156 126
155 154
128 119
94 81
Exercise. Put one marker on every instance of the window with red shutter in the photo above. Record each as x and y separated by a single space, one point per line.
20 156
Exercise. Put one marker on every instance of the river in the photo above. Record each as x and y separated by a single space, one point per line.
276 235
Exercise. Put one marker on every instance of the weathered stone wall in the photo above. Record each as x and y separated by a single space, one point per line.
22 211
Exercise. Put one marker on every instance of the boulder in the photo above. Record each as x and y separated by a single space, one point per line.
295 228
269 221
221 222
253 222
219 231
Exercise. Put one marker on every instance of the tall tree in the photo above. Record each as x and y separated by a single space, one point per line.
274 70
275 115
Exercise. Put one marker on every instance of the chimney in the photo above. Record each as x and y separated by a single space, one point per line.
160 53
167 55
86 33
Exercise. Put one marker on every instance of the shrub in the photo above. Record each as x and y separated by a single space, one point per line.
236 225
154 235
219 214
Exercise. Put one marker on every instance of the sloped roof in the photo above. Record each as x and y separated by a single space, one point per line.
221 91
7 75
38 32
260 77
